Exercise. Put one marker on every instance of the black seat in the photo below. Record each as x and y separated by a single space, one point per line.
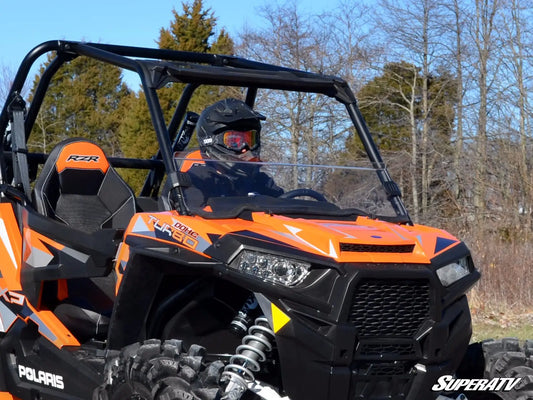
79 187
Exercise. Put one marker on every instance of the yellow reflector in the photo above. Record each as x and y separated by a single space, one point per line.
279 318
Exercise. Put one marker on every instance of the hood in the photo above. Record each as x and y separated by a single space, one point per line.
364 240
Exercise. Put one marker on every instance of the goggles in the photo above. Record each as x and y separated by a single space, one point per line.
240 140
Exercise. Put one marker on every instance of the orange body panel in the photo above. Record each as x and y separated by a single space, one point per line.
49 325
10 248
36 240
320 237
192 159
11 254
52 329
123 254
170 228
7 396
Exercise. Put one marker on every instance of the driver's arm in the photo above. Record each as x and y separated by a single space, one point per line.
206 183
268 186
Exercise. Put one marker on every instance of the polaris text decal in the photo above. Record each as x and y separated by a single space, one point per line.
41 377
178 232
450 384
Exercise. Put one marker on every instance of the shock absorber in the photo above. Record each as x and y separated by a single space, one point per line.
244 318
240 370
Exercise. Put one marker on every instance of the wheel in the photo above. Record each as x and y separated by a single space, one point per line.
507 358
301 193
156 370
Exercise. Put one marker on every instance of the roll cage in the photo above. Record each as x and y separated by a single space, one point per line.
155 68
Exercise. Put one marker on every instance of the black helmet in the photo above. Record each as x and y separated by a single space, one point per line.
230 130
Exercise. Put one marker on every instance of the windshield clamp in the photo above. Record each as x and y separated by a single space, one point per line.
178 181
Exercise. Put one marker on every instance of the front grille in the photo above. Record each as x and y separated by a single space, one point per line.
389 308
376 248
383 369
378 349
379 380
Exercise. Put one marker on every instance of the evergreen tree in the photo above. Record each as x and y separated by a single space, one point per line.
384 103
191 30
391 106
83 100
142 143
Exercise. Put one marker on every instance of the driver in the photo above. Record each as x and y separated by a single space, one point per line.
229 133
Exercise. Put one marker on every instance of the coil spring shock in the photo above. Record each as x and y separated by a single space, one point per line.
240 370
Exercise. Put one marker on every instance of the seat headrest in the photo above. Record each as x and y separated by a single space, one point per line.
79 187
81 155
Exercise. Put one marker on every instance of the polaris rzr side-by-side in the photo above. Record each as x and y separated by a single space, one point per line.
320 288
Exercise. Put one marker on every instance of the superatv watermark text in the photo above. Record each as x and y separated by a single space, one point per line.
448 383
41 377
75 157
178 232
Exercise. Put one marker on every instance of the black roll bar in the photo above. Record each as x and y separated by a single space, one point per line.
157 66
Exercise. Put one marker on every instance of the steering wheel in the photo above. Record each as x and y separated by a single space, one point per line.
291 194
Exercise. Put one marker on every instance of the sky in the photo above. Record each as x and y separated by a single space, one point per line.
28 23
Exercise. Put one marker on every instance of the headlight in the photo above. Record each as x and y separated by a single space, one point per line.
453 272
271 268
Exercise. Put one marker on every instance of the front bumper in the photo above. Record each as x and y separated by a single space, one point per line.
392 342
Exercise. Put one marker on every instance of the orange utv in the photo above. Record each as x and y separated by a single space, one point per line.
325 292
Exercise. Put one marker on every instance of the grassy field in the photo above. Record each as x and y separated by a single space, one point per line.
500 325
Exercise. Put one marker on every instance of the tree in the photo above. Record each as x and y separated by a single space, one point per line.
390 105
393 107
136 132
83 100
350 50
483 31
191 30
6 77
414 32
518 38
455 23
302 127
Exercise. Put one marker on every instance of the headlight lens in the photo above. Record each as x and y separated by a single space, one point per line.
453 272
271 268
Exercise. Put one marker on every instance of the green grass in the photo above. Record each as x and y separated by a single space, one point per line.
490 329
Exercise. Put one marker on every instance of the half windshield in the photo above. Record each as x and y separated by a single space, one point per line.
312 164
232 189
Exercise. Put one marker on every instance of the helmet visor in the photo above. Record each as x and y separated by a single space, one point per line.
240 140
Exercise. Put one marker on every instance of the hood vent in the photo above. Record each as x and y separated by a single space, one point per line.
377 248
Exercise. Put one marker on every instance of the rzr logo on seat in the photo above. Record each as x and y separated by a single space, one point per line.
75 157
